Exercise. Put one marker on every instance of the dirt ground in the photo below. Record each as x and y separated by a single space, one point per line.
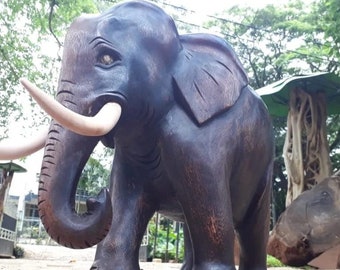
57 258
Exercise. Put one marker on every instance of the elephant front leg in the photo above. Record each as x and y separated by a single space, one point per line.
212 234
201 186
131 213
203 193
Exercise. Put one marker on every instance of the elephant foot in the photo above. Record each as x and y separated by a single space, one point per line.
109 264
186 265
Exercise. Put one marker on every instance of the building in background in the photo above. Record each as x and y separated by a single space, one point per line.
8 208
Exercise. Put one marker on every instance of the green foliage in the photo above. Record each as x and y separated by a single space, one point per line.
30 47
273 262
279 187
18 252
276 41
57 14
15 60
329 22
103 5
333 125
165 239
94 177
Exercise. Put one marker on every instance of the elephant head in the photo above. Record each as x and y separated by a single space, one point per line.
131 63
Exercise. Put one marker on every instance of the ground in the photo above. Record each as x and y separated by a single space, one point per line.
56 258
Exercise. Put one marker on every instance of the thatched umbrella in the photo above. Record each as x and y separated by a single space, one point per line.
306 100
310 224
276 95
7 171
7 226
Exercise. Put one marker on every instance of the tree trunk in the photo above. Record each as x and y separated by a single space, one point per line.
306 151
5 183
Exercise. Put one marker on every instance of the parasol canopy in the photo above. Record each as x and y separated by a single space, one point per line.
13 167
276 95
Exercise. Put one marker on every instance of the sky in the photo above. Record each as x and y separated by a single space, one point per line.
25 182
210 7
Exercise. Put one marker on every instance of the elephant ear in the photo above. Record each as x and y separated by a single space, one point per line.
208 75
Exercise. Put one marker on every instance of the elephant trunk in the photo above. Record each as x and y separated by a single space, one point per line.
66 154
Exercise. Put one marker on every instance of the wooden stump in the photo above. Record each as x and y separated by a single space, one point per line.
309 226
330 259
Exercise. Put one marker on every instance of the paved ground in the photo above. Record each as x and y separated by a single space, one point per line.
57 258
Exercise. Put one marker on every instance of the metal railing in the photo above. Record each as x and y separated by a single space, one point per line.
7 234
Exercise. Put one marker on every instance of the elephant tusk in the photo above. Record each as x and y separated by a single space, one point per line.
98 125
12 150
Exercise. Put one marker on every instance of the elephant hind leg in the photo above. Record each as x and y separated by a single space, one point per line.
188 251
254 231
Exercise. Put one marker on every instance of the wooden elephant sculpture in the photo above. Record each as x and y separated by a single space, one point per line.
192 141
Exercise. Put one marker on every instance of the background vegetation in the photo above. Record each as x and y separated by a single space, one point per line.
273 42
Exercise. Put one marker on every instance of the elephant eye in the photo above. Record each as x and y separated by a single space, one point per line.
107 57
106 60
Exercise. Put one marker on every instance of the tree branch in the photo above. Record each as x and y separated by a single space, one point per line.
50 17
336 142
9 63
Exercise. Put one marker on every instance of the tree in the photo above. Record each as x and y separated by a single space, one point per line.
35 56
16 59
333 125
328 21
275 41
94 177
5 181
327 14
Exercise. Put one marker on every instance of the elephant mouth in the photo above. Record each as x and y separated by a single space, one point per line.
111 97
108 139
98 125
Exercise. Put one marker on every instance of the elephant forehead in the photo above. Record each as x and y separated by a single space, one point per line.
77 39
137 22
131 26
143 13
77 55
82 30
